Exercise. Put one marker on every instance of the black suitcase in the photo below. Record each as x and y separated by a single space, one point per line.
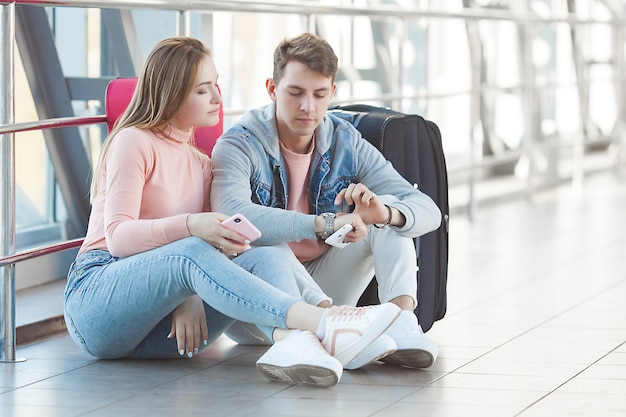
413 145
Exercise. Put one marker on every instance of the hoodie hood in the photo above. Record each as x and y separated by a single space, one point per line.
261 122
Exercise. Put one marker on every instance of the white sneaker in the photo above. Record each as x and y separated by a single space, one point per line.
415 349
247 334
300 359
379 348
349 330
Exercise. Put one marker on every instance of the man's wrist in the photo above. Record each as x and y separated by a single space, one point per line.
389 219
329 225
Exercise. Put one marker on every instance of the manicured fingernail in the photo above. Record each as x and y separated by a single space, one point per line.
182 352
189 355
195 351
169 336
247 242
206 342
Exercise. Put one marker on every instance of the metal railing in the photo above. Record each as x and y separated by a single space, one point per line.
402 15
7 179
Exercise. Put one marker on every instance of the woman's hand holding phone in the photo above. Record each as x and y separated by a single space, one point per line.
239 224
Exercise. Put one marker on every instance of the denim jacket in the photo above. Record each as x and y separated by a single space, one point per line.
249 177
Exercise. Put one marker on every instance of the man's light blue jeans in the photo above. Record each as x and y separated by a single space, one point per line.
121 307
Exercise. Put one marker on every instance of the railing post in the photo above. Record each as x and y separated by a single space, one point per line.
183 24
7 181
530 101
475 151
618 67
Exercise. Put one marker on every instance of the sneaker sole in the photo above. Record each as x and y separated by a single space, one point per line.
299 374
356 365
384 349
413 358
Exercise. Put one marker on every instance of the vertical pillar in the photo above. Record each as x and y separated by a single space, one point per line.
528 34
7 181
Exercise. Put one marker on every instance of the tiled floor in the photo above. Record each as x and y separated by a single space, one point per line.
536 326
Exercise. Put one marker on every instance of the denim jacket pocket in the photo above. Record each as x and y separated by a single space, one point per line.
326 199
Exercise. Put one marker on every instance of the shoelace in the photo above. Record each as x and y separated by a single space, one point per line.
346 313
315 342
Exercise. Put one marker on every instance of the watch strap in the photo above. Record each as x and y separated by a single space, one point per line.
329 225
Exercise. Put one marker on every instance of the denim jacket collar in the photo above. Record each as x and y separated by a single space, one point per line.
262 124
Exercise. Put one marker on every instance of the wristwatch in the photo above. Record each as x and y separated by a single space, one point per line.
329 225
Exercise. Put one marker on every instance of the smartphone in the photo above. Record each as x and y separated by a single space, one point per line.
243 226
336 239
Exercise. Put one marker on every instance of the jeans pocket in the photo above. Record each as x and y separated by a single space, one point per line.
84 265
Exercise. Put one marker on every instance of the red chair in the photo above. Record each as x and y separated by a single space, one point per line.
118 94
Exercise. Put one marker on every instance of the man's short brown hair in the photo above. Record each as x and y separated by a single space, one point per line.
309 49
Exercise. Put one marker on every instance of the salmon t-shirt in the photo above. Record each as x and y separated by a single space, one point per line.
297 167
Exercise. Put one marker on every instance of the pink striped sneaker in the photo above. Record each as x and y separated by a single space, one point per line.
349 330
377 350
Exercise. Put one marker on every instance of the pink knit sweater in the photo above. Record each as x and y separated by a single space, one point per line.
148 186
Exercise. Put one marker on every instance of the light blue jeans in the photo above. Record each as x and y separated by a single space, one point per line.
122 307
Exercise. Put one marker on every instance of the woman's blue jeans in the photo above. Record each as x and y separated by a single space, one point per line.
122 307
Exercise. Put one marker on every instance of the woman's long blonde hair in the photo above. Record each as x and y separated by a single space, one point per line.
166 80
